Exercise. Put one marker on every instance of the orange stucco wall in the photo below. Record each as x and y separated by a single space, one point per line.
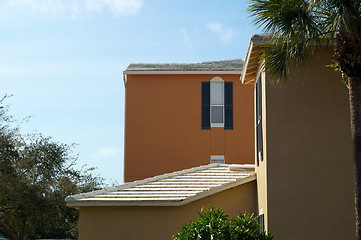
308 155
159 223
163 125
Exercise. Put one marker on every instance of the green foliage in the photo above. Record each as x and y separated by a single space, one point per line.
214 224
297 28
36 175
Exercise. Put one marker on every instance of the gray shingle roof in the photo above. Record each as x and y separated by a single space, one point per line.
172 189
218 66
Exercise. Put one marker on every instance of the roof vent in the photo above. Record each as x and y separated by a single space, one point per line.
217 159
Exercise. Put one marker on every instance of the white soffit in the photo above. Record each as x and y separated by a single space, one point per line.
252 61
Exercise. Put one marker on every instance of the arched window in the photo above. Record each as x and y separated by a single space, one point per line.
217 102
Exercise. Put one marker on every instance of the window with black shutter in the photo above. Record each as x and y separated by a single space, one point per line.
259 136
206 123
217 104
260 220
228 105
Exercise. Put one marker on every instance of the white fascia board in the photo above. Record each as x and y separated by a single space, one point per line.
243 74
181 72
253 42
125 79
112 203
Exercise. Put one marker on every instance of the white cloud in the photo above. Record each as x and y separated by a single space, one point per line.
42 6
106 152
75 12
185 34
186 38
72 8
226 34
119 7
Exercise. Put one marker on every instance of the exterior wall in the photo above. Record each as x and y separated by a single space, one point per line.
261 169
159 223
309 158
163 125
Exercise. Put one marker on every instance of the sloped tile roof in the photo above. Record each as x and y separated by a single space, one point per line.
173 189
211 66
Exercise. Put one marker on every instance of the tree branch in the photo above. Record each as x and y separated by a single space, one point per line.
5 209
11 233
22 236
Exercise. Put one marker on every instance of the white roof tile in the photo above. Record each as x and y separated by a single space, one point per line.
172 189
222 66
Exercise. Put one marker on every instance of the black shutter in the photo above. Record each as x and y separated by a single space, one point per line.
228 105
206 118
259 135
260 220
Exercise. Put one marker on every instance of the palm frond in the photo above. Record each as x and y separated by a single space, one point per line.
297 28
276 63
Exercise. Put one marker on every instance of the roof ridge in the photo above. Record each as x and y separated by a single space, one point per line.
232 66
189 63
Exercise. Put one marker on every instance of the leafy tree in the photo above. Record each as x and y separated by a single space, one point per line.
298 28
214 224
36 175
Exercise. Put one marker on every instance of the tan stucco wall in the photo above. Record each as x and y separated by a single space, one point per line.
159 223
261 169
163 125
309 157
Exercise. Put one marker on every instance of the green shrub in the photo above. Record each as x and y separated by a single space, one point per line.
214 224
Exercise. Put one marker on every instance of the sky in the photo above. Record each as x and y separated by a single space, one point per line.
63 61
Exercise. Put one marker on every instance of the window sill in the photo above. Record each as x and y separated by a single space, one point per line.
217 125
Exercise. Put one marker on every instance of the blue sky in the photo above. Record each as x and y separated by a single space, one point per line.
63 61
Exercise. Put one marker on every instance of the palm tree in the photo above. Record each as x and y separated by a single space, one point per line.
297 28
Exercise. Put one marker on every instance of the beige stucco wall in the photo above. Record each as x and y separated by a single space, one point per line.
309 158
159 223
163 125
261 168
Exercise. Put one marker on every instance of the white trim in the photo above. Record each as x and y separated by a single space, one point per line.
181 72
261 68
217 124
216 80
253 42
243 74
125 79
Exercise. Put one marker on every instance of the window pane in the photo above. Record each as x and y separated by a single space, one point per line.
216 93
217 114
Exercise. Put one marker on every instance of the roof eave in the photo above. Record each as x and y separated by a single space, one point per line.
150 72
250 46
253 57
88 202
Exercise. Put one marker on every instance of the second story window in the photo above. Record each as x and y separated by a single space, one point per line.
217 102
259 136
